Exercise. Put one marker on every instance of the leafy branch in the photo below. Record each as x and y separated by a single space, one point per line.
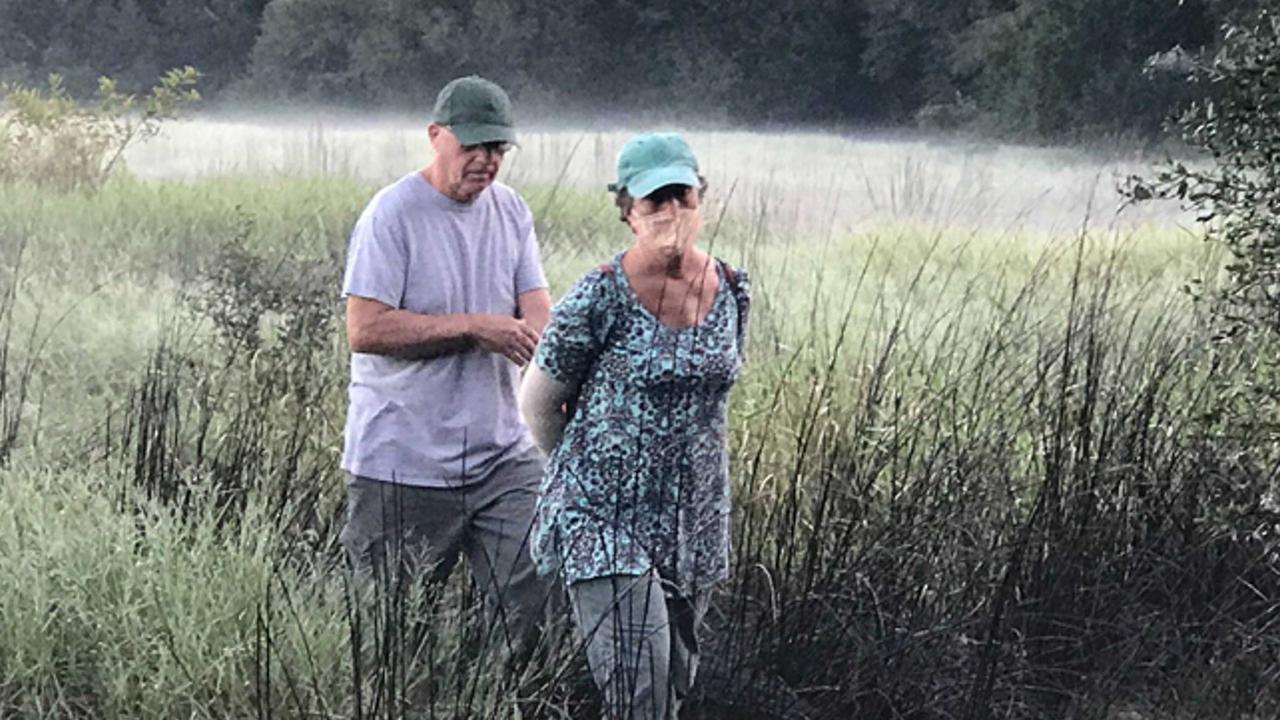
50 140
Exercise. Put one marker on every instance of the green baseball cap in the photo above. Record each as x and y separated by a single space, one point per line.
651 160
476 110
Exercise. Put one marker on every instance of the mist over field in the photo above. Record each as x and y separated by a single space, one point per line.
814 183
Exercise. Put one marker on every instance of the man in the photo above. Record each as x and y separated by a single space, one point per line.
446 300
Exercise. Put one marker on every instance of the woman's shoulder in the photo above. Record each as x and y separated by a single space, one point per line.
603 274
607 269
593 286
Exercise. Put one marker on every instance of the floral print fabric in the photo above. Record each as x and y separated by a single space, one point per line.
640 480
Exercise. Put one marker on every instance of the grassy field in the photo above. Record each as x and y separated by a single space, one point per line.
990 458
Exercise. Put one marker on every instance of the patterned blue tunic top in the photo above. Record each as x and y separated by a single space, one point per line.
640 479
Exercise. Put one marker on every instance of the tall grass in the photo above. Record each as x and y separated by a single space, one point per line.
976 474
1033 514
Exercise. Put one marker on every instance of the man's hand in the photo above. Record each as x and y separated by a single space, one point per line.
513 338
377 328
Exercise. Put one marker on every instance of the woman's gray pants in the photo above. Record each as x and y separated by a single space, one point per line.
641 640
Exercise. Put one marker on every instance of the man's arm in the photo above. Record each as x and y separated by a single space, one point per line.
534 307
377 328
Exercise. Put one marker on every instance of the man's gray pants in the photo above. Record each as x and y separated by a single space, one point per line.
418 531
641 639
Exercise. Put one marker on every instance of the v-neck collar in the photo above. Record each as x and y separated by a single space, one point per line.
620 276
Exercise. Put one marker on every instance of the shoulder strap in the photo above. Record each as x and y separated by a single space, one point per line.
731 277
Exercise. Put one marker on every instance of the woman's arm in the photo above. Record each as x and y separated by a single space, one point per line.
544 403
564 360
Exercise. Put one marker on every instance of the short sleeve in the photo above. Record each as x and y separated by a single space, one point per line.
377 259
529 275
575 336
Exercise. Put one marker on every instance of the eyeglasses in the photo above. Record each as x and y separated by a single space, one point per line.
666 193
498 148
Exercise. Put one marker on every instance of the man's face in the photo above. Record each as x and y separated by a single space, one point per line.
464 170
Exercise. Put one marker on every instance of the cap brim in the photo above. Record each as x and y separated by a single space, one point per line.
650 180
469 134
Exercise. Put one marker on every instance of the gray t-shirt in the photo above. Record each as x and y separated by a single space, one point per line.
445 421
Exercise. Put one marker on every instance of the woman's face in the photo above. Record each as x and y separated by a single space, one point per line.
666 221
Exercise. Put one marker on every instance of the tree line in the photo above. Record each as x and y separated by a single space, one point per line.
1040 69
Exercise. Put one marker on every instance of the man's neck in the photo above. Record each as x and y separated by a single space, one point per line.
431 173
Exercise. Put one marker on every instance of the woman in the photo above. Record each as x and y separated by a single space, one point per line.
627 395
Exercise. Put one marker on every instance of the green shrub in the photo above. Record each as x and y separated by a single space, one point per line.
1236 193
50 140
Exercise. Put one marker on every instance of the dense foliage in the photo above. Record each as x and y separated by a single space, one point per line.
1051 69
1237 194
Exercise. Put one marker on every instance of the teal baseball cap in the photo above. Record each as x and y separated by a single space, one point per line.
651 160
476 110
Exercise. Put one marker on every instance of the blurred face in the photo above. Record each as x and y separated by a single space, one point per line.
666 221
463 171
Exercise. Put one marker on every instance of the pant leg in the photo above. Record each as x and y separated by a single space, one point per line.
685 615
402 542
623 621
500 515
401 531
